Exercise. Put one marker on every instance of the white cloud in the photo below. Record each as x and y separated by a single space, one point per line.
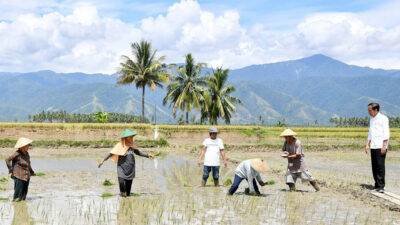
87 41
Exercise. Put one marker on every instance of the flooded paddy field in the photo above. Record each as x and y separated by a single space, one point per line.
70 190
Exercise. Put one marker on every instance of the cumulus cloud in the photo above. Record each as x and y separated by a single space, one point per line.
87 41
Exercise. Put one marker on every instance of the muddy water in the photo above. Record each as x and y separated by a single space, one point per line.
70 193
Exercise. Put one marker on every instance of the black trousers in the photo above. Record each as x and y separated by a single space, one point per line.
125 186
378 167
20 189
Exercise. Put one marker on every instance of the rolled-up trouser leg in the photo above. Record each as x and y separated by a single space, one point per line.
18 189
122 186
25 189
206 173
128 184
235 185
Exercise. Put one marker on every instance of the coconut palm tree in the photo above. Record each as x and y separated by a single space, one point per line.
186 88
143 70
218 101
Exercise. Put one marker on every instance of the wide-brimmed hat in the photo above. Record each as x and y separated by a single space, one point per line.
259 165
22 142
128 133
213 130
288 132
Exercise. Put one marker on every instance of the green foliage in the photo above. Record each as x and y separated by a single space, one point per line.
9 143
143 70
218 100
107 183
99 117
40 174
185 92
106 195
360 121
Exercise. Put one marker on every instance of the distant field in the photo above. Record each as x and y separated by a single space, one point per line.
235 136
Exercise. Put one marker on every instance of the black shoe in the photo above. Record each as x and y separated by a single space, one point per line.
381 190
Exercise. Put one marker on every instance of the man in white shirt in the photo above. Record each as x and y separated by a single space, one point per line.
213 148
378 141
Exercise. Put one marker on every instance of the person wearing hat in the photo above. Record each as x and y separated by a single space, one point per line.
294 153
123 154
213 147
249 170
19 166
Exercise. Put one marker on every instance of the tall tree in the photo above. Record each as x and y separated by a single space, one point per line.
219 102
143 70
185 91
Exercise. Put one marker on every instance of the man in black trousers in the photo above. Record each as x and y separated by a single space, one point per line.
378 141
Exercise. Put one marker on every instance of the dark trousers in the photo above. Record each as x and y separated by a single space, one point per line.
378 167
208 169
236 182
125 186
20 189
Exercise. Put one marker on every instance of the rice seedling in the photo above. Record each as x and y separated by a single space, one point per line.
40 174
106 195
107 183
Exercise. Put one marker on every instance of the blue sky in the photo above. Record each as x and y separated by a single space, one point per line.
75 35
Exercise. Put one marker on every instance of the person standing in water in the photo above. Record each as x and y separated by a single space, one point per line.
124 154
19 166
213 147
293 152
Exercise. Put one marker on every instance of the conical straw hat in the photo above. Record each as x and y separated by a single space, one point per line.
119 149
259 165
288 132
22 142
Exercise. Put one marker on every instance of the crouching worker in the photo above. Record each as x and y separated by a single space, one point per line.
293 151
19 166
123 154
249 170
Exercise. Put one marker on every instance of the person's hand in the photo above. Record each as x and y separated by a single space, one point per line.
366 149
285 154
33 174
383 150
262 183
100 164
225 163
199 162
151 156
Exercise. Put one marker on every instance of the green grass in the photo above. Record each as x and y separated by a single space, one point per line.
106 195
107 183
9 143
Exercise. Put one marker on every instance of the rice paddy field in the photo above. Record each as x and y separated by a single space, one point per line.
70 189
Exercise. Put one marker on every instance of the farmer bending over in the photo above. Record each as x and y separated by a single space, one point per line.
249 170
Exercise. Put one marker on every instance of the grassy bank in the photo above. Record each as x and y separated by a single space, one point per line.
9 143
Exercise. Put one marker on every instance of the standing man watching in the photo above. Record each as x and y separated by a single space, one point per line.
378 141
213 147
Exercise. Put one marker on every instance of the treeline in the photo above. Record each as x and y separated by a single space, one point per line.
99 117
360 121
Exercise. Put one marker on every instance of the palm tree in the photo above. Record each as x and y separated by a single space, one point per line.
186 89
144 69
218 101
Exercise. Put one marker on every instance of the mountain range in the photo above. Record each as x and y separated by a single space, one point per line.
304 91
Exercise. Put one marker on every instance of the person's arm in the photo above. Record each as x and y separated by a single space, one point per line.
223 156
9 161
105 159
250 179
386 136
368 145
142 154
201 156
260 181
31 171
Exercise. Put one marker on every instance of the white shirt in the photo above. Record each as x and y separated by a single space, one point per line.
378 131
245 171
213 150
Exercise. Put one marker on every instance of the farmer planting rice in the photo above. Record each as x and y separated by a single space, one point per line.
293 151
123 154
213 148
249 170
19 166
